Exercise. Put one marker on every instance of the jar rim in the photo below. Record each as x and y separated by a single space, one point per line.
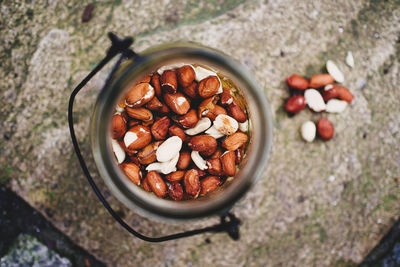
135 197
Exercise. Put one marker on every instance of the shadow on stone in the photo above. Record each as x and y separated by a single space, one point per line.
17 217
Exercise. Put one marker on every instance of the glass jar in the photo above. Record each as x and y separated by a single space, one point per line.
251 167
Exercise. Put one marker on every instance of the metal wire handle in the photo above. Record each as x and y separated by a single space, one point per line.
229 223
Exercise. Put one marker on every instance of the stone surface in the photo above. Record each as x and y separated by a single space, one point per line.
324 204
18 218
28 251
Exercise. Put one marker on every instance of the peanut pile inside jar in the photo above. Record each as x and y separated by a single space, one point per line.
180 132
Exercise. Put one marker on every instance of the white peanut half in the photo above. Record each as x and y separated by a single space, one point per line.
118 151
129 138
244 126
198 160
314 100
336 106
171 67
170 166
350 59
226 124
334 71
164 167
212 131
202 73
308 131
328 87
169 149
202 125
155 166
118 109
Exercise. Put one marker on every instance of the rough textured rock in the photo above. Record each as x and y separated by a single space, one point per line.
28 251
325 203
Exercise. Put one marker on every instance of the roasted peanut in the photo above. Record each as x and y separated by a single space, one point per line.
297 82
208 184
325 128
137 137
148 154
320 80
118 126
191 90
214 166
188 120
175 191
132 123
156 184
176 131
217 154
154 104
236 112
206 105
160 128
155 82
146 185
208 86
295 104
234 141
213 113
175 176
139 95
239 154
203 143
168 80
192 183
226 97
132 171
178 103
142 114
228 163
185 75
184 160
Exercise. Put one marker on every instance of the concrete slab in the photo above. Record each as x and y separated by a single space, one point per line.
324 204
